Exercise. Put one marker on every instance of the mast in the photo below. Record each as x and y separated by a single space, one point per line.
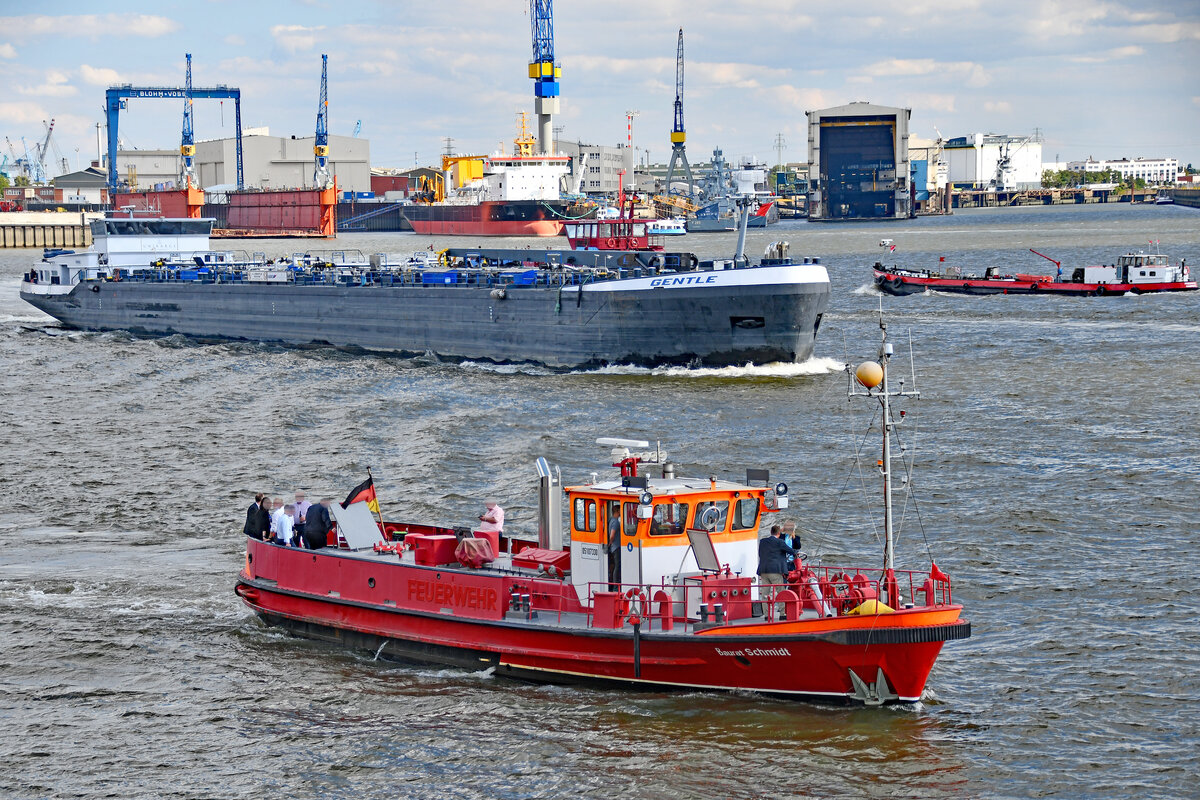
889 545
873 376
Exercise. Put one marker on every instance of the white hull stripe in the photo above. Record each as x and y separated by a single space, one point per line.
784 275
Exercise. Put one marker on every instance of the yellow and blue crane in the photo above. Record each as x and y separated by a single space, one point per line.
187 145
544 72
678 135
321 176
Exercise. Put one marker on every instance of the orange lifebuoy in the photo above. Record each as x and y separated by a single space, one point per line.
611 243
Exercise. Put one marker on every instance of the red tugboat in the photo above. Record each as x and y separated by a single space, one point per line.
655 590
1137 273
622 232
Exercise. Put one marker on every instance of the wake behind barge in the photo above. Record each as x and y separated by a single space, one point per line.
157 277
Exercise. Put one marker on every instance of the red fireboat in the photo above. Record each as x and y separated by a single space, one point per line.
655 589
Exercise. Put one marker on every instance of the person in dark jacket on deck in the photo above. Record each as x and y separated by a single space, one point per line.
316 525
772 558
258 519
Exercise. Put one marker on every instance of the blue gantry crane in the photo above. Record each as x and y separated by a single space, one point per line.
544 72
187 144
117 97
321 177
678 136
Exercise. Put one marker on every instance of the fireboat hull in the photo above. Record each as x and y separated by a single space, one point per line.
447 616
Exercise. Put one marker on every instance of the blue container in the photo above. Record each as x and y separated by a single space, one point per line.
439 277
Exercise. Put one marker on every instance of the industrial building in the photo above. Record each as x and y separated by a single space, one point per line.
269 162
601 171
859 167
1151 170
994 161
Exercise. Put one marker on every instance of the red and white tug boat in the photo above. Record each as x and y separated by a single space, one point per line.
1136 273
654 590
622 232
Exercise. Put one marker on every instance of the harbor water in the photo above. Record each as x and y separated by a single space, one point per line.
1057 482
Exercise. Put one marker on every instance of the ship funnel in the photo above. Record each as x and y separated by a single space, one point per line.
550 533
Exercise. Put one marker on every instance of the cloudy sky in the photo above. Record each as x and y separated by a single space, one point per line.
1107 79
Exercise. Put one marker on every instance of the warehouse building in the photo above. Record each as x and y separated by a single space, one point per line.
859 166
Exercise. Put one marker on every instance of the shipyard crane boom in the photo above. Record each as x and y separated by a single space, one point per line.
678 135
39 152
321 176
187 144
544 72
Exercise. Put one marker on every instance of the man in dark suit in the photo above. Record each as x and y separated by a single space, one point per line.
258 519
317 524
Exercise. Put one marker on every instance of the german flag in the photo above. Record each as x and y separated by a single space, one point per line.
364 492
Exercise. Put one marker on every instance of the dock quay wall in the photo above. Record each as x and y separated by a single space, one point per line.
46 229
1047 197
1186 197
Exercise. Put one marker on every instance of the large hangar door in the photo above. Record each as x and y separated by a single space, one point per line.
858 167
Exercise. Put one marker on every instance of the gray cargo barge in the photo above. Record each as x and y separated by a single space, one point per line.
479 305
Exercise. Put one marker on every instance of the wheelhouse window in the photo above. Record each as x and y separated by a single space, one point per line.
583 515
669 519
631 520
722 507
745 514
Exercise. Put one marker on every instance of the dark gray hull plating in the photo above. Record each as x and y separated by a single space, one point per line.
714 326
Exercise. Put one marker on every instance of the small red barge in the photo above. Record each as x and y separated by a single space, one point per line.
1136 273
653 590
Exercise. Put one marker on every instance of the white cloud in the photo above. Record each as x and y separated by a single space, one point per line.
970 73
794 100
7 50
55 86
1108 55
1167 33
1059 20
234 40
22 112
94 26
295 38
98 76
998 106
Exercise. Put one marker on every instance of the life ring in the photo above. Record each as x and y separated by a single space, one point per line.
895 283
1102 289
611 243
966 286
640 597
1033 287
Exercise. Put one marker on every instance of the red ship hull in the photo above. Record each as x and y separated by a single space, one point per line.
899 282
446 614
490 218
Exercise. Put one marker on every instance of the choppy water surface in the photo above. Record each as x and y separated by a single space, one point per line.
1057 484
